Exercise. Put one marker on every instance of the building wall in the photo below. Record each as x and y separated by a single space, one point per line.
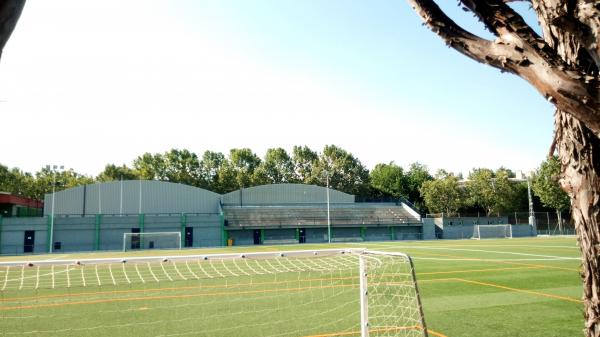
77 234
156 197
243 237
429 228
277 194
316 235
378 234
12 235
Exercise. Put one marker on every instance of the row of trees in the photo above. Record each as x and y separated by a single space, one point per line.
493 192
485 190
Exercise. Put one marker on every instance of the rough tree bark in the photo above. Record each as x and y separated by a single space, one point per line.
563 66
10 11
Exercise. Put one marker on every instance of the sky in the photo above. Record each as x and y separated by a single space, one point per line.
85 83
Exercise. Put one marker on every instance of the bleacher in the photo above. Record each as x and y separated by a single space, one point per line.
316 215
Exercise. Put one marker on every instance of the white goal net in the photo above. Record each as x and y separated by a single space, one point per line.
303 293
151 240
492 231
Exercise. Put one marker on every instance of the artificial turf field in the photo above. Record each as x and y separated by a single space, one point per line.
507 287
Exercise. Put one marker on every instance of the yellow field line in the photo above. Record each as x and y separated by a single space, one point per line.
540 265
531 292
478 270
384 329
236 293
494 285
13 299
502 262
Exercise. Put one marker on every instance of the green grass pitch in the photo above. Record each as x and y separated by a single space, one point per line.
494 288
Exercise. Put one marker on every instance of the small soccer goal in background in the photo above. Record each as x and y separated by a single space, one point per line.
151 240
492 231
331 292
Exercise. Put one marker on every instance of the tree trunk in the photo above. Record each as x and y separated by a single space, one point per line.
579 153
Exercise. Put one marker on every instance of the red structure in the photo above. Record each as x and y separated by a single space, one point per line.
13 205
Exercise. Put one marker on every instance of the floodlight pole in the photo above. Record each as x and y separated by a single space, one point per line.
328 214
530 199
51 234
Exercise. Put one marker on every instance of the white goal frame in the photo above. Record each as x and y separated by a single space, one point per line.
507 231
368 269
141 235
364 294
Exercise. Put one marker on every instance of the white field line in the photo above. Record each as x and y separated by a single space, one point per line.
82 276
22 277
37 277
6 278
479 251
52 275
482 260
68 278
56 257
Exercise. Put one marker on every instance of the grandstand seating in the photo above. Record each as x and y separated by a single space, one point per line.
316 215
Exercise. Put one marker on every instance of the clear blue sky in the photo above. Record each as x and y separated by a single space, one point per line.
86 83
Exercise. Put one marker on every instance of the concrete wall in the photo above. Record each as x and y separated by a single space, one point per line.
522 230
243 237
378 234
12 235
346 234
278 194
79 233
429 228
316 235
466 231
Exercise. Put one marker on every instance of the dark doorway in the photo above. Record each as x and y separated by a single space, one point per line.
302 235
189 237
135 239
257 237
29 242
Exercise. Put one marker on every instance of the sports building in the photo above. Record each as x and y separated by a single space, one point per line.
96 217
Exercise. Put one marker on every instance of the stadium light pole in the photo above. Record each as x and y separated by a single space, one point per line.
54 169
530 199
328 215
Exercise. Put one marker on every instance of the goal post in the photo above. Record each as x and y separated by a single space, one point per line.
492 231
329 292
151 240
389 296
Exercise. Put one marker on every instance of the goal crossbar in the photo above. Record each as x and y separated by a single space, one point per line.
147 237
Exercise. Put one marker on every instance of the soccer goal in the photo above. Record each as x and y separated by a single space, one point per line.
151 240
330 292
492 231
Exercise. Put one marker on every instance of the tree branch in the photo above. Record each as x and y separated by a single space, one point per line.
10 11
521 51
480 50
